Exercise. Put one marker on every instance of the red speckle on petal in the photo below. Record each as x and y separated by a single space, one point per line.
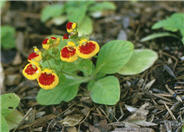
46 79
67 52
87 48
66 36
69 25
30 70
45 41
32 56
53 37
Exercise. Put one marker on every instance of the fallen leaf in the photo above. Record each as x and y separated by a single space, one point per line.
72 120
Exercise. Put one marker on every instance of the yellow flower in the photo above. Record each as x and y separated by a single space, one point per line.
70 27
87 49
50 42
71 44
32 71
45 44
48 79
55 41
68 53
35 56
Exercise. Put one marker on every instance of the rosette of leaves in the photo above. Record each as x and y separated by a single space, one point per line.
10 117
79 12
116 56
174 24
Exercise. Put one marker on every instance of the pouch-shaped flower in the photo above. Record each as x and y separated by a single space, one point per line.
68 53
31 71
48 79
87 49
35 56
70 27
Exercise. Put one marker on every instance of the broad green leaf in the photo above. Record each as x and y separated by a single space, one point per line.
86 66
2 2
86 27
102 6
13 119
158 35
173 23
4 125
86 3
51 11
66 90
114 55
8 37
9 102
76 14
139 62
106 91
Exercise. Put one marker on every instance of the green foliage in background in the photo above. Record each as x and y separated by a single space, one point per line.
79 12
7 37
174 23
2 2
10 117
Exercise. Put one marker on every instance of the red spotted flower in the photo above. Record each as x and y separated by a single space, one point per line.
68 53
48 79
70 27
50 42
87 49
31 71
35 56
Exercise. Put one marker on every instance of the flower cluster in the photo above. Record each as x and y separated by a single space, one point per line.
46 78
80 48
75 47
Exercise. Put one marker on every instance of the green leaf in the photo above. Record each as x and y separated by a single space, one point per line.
86 66
13 119
51 11
102 6
173 23
139 62
86 27
66 90
106 91
4 125
2 2
76 14
158 35
9 103
70 4
8 37
114 55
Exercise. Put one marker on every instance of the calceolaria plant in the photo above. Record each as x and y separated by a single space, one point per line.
66 62
173 23
10 117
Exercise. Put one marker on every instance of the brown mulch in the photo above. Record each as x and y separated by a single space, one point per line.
155 96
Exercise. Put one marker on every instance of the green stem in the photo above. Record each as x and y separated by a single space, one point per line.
96 71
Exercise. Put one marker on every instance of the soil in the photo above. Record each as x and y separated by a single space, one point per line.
155 96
